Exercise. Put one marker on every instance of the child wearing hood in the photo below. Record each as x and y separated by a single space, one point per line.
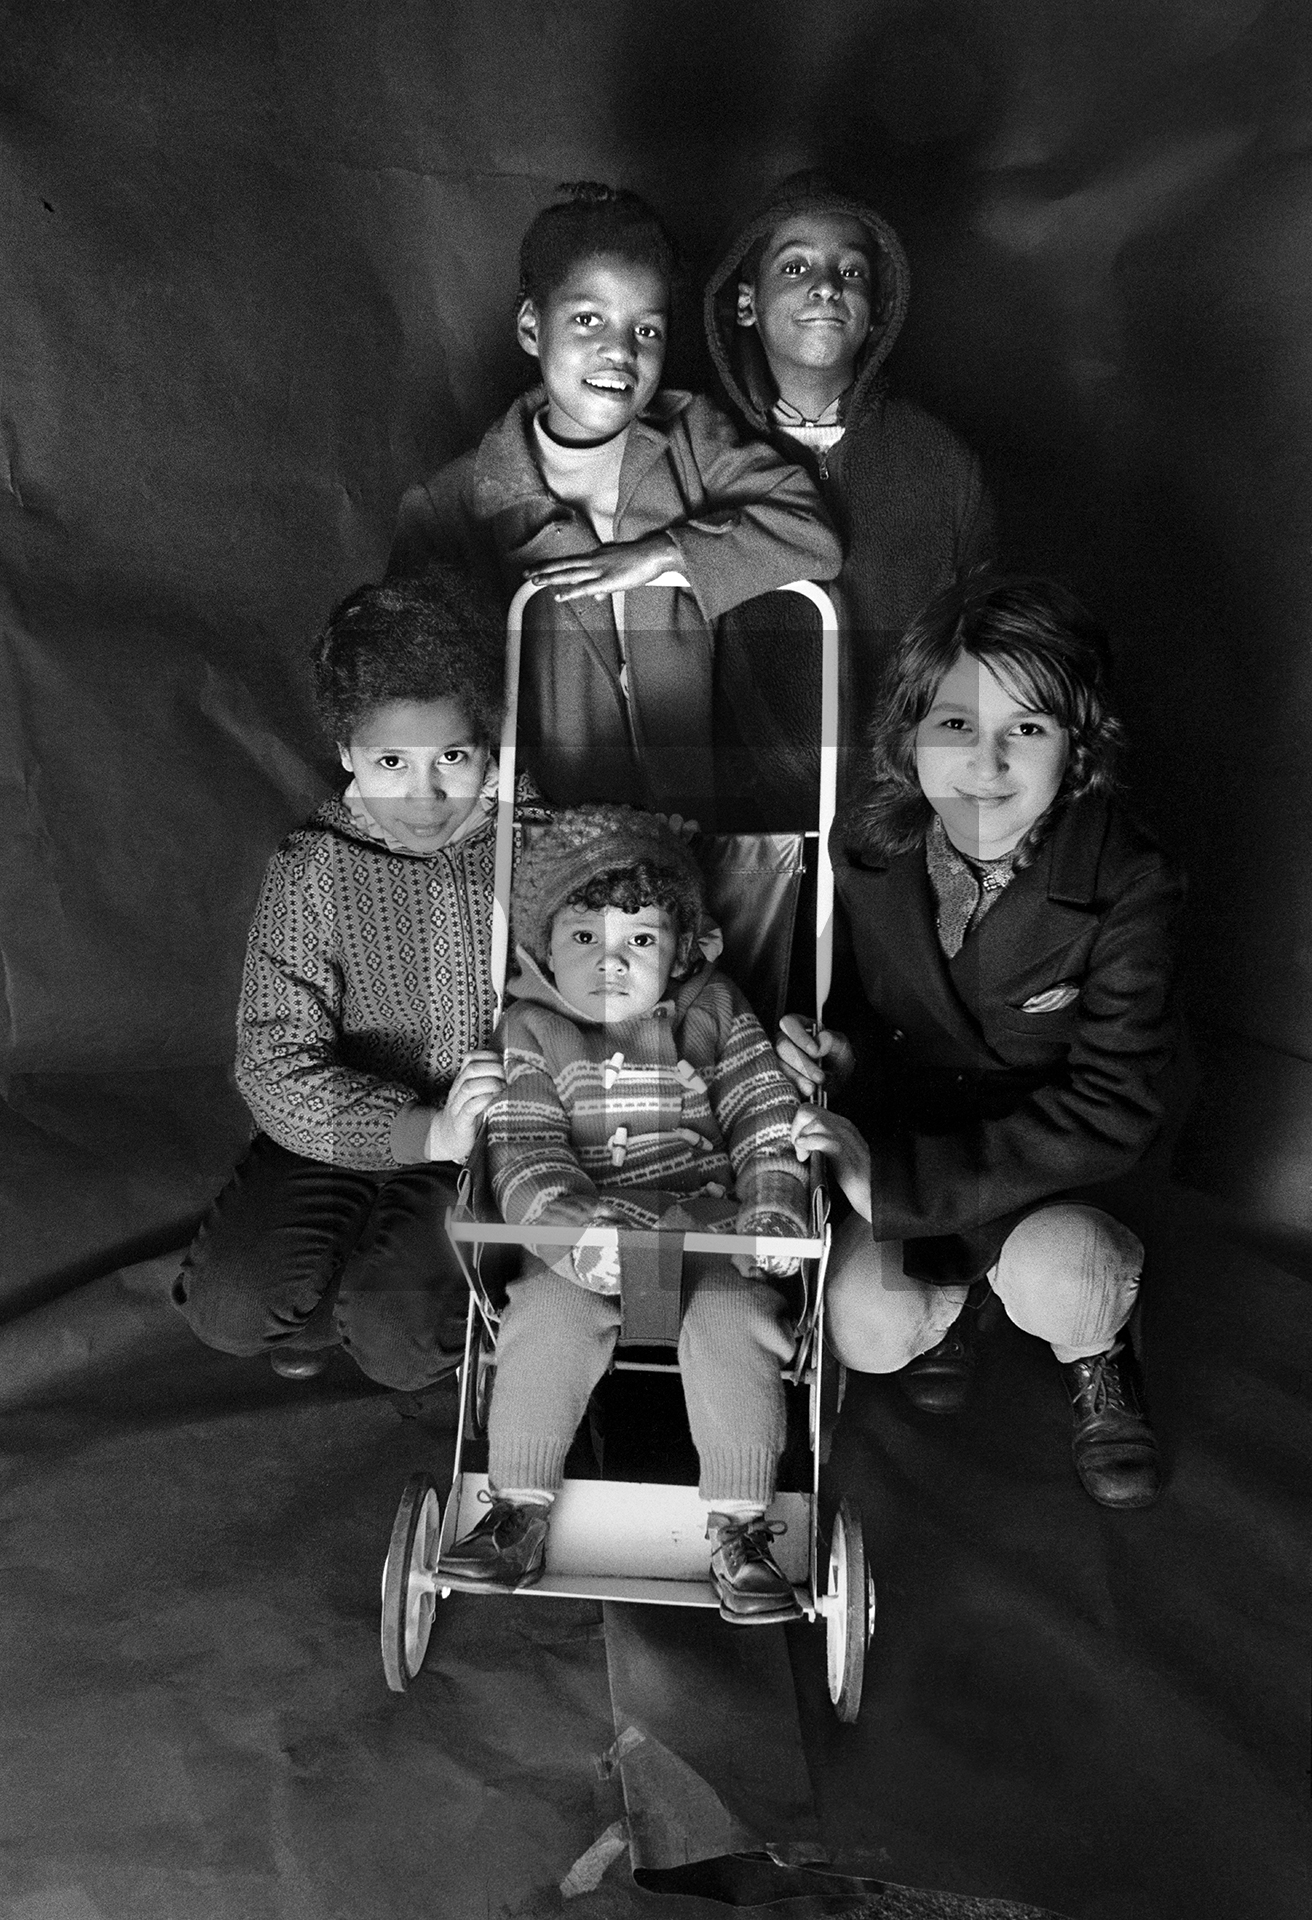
598 481
801 315
640 1091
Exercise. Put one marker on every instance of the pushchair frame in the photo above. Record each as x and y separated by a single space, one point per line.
641 1541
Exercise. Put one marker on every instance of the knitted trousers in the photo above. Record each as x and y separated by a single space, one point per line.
556 1340
1068 1274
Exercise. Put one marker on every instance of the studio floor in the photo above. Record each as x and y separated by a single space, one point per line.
1099 1716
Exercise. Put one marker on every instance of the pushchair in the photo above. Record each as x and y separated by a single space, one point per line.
641 1539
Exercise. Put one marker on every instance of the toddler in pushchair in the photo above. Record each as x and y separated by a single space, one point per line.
641 1092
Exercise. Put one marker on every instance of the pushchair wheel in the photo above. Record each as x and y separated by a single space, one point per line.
480 1387
409 1598
850 1614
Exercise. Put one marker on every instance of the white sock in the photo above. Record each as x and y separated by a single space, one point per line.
734 1510
524 1496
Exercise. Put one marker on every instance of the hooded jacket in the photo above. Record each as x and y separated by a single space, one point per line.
686 1101
906 495
368 977
744 520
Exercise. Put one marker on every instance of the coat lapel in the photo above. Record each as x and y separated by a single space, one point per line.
1047 907
1013 940
531 526
645 446
899 900
650 440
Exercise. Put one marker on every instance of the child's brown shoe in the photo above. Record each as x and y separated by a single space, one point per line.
508 1547
753 1589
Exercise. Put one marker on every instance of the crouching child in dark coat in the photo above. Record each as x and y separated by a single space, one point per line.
1006 1013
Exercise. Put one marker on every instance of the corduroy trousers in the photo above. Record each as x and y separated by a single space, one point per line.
555 1343
295 1252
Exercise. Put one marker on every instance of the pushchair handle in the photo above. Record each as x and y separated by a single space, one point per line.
824 904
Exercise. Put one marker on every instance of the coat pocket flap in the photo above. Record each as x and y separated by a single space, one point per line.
1052 999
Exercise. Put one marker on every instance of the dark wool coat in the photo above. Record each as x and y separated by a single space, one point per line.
977 1111
744 521
905 493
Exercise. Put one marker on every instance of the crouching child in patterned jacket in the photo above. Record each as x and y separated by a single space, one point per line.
367 1006
640 1092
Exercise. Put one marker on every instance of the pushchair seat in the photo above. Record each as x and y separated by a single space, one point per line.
752 886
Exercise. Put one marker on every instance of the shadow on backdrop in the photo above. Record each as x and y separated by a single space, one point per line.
259 278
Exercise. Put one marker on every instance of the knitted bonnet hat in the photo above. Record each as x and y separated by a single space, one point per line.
585 844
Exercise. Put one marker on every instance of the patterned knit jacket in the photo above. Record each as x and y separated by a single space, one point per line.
367 980
687 1100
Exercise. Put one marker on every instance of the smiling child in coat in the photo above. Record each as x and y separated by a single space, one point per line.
599 481
1006 999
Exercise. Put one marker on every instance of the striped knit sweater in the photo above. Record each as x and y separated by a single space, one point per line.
686 1100
367 980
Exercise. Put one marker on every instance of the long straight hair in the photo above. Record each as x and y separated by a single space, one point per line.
1044 646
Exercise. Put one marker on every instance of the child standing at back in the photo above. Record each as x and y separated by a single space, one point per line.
597 482
801 316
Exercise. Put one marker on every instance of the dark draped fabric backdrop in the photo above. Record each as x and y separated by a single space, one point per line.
259 274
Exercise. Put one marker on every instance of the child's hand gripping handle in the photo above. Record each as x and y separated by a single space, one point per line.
454 1127
814 1058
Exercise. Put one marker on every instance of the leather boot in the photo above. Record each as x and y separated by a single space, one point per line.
754 1590
508 1547
1114 1448
939 1381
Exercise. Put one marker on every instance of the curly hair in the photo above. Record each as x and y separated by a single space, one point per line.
602 856
630 889
1042 643
593 219
435 638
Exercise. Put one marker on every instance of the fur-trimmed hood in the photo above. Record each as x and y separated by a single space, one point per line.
736 350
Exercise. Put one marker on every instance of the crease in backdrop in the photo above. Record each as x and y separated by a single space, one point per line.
259 271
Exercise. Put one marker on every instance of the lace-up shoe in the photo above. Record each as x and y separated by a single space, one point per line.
508 1547
1114 1448
939 1381
753 1589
